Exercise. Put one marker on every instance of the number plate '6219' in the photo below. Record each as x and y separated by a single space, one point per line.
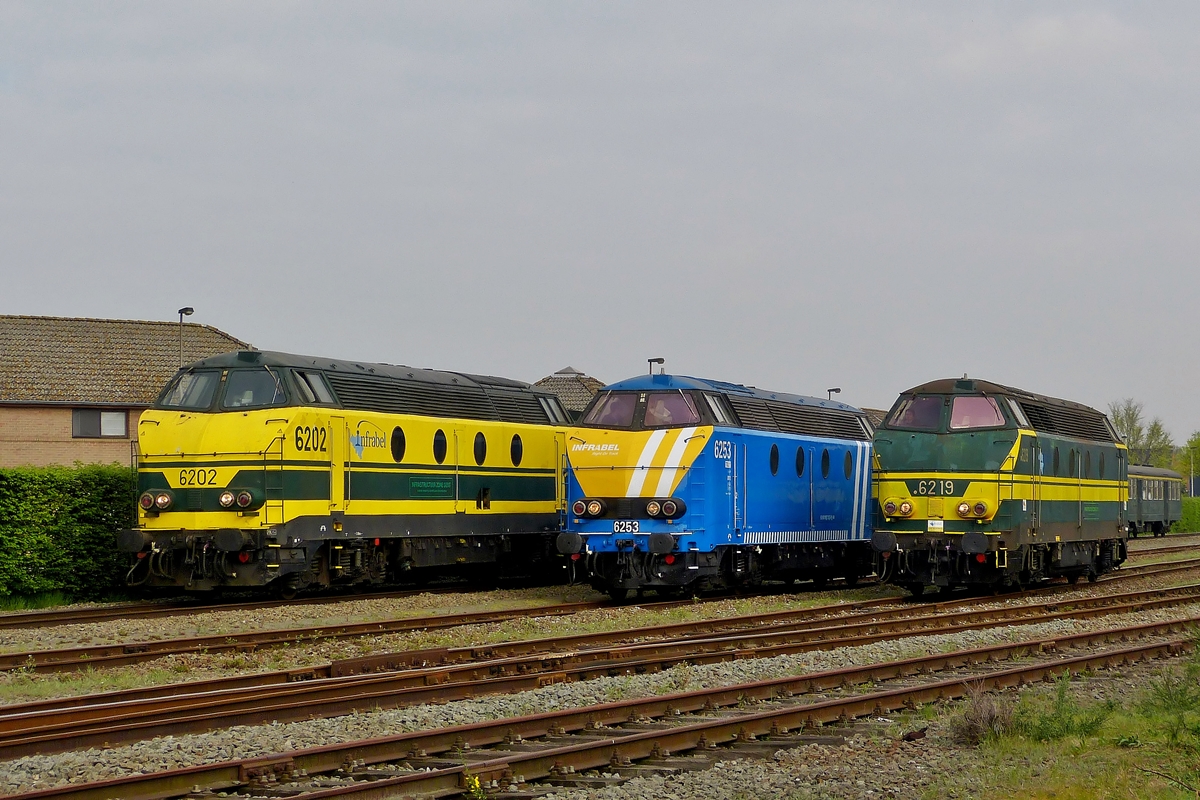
625 526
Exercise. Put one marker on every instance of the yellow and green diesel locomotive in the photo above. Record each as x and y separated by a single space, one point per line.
261 468
986 485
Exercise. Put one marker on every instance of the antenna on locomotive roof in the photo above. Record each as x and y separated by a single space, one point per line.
653 361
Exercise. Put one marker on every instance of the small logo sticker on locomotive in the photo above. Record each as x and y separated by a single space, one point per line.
596 448
936 525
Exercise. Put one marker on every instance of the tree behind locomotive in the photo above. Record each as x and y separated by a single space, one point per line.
982 484
678 483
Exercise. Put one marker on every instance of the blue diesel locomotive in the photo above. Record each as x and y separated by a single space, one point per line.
683 484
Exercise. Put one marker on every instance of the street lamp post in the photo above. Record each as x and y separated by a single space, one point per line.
186 311
829 393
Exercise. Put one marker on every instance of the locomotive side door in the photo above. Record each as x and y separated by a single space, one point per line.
339 457
460 452
1038 467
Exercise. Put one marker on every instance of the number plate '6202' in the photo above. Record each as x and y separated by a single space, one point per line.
625 526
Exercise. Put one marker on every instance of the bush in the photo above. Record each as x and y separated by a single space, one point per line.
983 716
58 530
1190 521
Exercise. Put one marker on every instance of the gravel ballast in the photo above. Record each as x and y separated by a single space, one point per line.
246 741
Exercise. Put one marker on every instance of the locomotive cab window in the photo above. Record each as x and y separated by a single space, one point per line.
253 388
554 411
664 409
918 414
313 388
967 413
717 406
613 410
193 390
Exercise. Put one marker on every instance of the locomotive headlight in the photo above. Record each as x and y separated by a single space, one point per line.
162 501
595 508
654 508
146 501
670 508
906 508
225 499
981 509
579 508
244 499
964 509
890 508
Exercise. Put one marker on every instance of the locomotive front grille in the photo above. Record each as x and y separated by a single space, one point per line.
194 500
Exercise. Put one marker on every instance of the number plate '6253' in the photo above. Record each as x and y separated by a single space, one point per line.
625 526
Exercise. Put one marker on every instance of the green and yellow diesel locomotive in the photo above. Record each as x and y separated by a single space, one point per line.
986 485
259 468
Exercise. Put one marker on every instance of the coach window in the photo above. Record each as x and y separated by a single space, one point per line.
92 423
824 463
848 465
800 462
613 410
439 446
480 448
253 388
517 450
398 444
774 459
975 412
918 414
193 390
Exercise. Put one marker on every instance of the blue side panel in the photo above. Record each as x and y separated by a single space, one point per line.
733 497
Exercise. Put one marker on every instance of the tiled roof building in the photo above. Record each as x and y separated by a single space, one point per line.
574 389
72 389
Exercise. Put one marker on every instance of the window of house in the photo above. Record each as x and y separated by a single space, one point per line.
93 423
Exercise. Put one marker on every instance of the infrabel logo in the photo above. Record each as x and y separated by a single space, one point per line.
369 438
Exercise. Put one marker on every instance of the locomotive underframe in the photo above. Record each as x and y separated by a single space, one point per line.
1014 558
631 568
341 551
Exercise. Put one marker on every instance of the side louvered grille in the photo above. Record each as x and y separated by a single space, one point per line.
1066 422
791 418
514 407
752 413
398 397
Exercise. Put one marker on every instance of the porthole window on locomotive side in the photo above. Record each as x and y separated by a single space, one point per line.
824 463
398 444
848 465
800 462
517 450
774 459
480 448
439 446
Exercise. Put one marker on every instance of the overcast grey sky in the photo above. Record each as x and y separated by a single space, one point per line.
791 195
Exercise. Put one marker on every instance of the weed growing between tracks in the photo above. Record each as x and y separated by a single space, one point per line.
1112 735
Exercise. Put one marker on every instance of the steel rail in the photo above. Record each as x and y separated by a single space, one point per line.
26 733
456 743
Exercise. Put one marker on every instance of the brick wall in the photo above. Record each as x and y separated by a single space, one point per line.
39 437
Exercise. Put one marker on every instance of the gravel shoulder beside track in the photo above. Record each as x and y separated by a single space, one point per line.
246 741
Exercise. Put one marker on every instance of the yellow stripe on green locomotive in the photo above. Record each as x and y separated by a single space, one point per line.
979 483
268 468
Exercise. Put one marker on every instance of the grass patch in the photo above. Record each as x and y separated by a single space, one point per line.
34 602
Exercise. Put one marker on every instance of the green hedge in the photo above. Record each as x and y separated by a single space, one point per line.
58 530
1191 516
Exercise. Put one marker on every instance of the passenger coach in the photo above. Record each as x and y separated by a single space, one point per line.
1155 500
982 484
259 468
678 483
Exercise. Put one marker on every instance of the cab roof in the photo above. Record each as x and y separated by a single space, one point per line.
661 382
976 386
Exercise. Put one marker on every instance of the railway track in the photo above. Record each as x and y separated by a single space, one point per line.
460 673
123 654
751 718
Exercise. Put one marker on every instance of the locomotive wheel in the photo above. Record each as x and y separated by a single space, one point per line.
617 594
